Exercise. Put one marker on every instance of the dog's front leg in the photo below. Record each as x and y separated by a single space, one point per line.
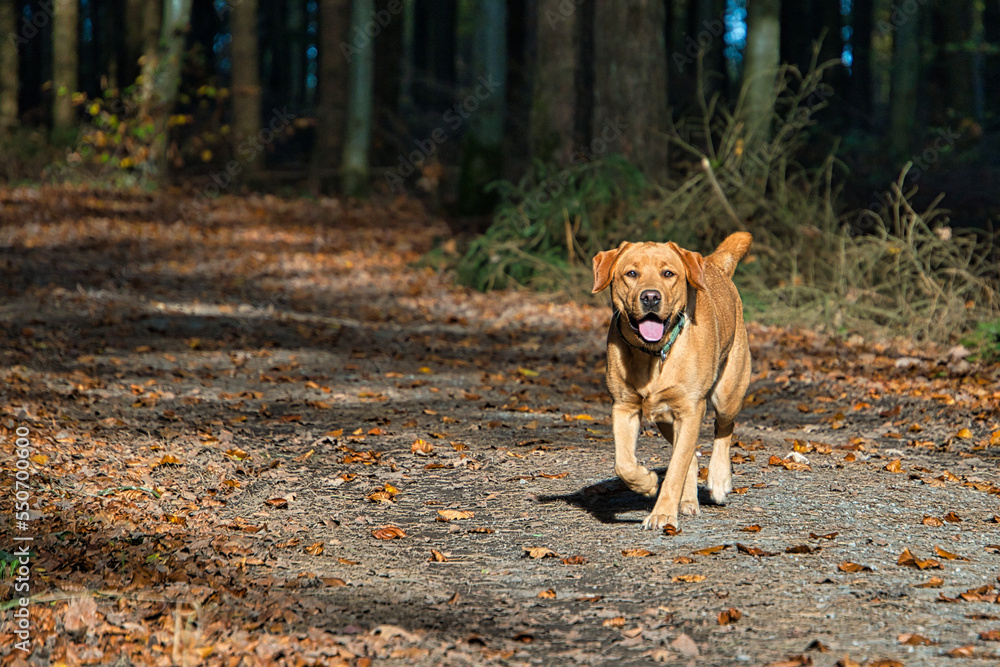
625 422
681 482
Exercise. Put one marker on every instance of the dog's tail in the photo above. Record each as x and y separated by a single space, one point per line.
730 252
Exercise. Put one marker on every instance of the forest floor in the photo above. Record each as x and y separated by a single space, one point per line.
228 416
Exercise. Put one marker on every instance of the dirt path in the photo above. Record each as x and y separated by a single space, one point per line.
225 413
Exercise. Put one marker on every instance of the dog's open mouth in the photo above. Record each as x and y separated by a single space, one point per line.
650 328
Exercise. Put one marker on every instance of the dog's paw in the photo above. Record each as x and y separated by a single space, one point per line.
720 486
642 481
690 507
658 522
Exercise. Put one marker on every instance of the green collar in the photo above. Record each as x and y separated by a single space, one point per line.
674 333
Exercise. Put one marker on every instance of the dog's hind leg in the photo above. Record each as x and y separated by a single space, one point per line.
727 398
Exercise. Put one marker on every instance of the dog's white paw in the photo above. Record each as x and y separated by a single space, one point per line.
658 522
720 484
690 507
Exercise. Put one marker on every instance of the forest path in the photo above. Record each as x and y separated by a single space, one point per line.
229 414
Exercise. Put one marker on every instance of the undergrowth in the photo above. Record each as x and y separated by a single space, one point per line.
892 271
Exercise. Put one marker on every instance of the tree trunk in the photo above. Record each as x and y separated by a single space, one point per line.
246 94
905 76
762 53
357 143
152 20
630 84
131 49
859 92
9 65
328 147
482 148
552 109
166 78
64 67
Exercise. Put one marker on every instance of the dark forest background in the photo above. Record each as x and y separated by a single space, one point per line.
857 139
912 80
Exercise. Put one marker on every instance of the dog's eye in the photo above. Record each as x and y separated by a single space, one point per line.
668 273
632 274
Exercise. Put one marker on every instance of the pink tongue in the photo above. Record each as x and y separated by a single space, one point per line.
651 330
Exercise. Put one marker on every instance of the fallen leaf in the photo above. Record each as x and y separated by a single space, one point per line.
951 517
792 661
947 555
277 503
454 515
907 559
615 622
422 448
933 582
315 549
730 615
670 530
388 533
964 434
755 528
912 639
708 551
932 521
688 578
802 549
990 635
169 460
636 553
684 560
753 551
962 651
438 557
540 552
574 560
894 466
847 662
828 536
817 645
850 567
549 594
346 561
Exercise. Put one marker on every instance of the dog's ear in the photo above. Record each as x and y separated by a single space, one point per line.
604 266
694 266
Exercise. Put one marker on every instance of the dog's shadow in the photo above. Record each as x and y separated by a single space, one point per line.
606 500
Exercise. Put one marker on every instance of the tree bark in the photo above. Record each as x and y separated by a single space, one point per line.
357 142
552 109
905 76
9 65
630 84
165 78
762 54
64 67
246 93
328 147
482 148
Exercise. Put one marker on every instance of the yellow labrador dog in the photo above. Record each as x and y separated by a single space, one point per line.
676 341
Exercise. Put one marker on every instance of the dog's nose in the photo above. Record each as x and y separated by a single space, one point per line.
650 298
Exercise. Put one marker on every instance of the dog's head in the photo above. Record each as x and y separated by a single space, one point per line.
649 286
